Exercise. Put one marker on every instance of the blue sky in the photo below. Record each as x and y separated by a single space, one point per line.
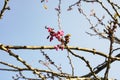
24 25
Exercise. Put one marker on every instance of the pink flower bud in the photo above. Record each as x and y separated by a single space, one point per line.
49 29
58 37
51 38
56 47
61 47
60 32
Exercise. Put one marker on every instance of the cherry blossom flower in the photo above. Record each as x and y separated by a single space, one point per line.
58 35
61 47
60 32
51 38
56 47
49 29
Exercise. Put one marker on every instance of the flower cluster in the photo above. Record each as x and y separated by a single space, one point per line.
58 35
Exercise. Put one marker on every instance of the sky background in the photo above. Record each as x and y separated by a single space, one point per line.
25 24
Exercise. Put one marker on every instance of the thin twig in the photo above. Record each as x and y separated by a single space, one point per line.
76 3
116 49
101 3
110 31
111 3
21 60
87 62
65 75
50 61
70 62
5 7
89 1
100 67
83 13
10 65
58 14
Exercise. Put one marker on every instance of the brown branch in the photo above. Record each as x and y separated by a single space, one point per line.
5 7
116 5
50 61
100 67
87 62
115 49
83 13
110 31
58 14
2 47
109 60
76 3
112 4
116 39
21 76
70 62
96 70
70 47
93 51
103 6
65 75
10 65
89 1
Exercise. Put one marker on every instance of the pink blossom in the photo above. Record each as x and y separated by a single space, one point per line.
51 38
49 29
56 47
61 47
60 32
58 37
53 34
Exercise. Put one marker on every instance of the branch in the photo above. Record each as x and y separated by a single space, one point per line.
76 3
83 13
4 8
100 2
65 75
89 1
70 62
112 4
93 51
10 65
100 67
116 39
58 14
50 61
110 31
87 62
2 47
